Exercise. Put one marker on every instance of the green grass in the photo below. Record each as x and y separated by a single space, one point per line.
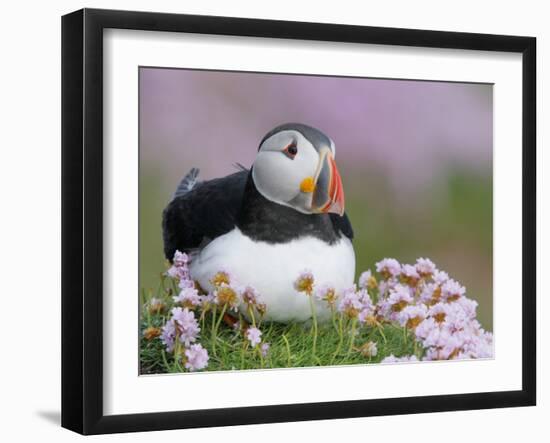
291 345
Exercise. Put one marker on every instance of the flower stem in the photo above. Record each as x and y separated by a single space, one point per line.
165 361
202 320
243 350
352 338
217 325
213 321
251 313
332 312
314 316
381 330
340 340
287 350
261 356
176 352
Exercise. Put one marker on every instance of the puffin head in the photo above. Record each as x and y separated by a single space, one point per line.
295 167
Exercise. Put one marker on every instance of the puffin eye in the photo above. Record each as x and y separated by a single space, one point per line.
291 150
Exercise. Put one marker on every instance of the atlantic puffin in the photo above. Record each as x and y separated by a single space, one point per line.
266 224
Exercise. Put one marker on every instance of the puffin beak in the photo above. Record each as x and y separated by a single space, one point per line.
328 195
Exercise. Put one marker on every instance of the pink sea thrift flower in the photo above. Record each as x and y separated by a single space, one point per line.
326 293
264 348
452 290
188 297
177 272
457 320
409 275
254 336
432 334
367 280
411 316
222 277
250 296
425 267
367 316
185 283
480 344
451 348
425 328
367 307
400 296
305 282
468 305
366 301
384 286
180 259
227 295
183 325
196 357
439 312
428 292
388 267
179 267
168 335
440 277
186 325
350 303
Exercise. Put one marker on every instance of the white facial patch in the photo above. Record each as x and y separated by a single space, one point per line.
277 176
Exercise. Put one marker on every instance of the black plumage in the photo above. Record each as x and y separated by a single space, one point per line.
214 207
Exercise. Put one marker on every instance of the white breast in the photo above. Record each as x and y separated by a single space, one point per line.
273 268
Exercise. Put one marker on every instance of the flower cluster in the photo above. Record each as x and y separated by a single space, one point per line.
196 357
419 298
434 307
182 327
181 332
356 304
254 335
179 269
188 297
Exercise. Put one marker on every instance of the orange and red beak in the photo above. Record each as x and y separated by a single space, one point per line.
328 195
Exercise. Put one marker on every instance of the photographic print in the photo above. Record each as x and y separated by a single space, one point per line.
239 212
292 221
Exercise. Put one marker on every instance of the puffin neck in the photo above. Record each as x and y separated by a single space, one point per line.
267 221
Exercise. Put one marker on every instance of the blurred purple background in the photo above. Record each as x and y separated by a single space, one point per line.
415 157
410 129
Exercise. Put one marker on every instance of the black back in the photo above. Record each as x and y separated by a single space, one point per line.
215 207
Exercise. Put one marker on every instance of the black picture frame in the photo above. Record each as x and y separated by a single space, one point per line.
82 219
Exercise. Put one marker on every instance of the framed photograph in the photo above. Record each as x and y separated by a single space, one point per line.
269 221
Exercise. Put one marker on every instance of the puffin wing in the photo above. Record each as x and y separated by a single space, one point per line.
187 183
201 211
342 224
